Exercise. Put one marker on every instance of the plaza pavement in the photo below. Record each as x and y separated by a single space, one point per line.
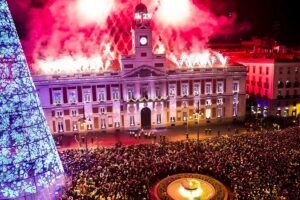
98 139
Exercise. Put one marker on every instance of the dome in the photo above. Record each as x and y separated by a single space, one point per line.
141 8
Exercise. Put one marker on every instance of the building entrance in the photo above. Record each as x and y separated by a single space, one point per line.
146 118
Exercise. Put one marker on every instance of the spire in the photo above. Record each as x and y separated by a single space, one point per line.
30 167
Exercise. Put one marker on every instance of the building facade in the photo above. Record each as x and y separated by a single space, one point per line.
272 82
145 93
275 86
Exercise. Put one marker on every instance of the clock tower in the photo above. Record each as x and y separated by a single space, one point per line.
142 31
142 43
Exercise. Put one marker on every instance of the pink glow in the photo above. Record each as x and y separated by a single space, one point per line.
204 59
94 11
173 12
74 28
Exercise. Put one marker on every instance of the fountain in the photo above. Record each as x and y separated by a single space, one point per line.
190 189
190 186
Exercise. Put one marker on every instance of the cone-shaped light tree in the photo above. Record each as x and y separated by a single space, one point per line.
30 167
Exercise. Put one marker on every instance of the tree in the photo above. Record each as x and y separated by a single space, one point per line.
30 167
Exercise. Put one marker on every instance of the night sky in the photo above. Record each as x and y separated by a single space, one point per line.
278 19
271 18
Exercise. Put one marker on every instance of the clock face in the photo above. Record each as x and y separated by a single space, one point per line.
143 40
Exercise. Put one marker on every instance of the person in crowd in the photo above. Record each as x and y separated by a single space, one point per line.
254 165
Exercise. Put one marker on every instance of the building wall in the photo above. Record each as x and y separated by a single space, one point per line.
109 114
115 100
286 73
260 75
277 92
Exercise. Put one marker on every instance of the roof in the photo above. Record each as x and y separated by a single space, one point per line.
141 8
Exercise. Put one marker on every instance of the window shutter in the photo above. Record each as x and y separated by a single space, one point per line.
54 126
178 88
51 97
94 93
191 88
96 122
108 92
214 86
202 86
65 96
79 93
68 125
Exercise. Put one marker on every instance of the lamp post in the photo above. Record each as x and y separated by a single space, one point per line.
187 126
198 128
83 124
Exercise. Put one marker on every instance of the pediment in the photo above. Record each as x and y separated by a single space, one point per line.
144 71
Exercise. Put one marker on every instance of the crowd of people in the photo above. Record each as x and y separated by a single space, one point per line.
260 165
143 134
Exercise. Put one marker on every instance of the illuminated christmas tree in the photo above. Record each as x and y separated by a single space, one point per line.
30 167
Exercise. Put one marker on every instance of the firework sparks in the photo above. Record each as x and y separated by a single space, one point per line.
62 33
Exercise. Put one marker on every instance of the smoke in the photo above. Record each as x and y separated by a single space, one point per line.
58 29
93 11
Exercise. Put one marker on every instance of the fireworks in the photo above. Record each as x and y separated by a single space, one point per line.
94 11
174 12
205 59
78 36
73 65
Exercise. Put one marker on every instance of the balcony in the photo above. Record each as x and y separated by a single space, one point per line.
57 103
101 100
296 84
184 95
73 102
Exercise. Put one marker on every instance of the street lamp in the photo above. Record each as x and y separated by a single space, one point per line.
83 124
187 126
198 118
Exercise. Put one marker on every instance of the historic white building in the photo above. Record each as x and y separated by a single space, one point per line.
144 93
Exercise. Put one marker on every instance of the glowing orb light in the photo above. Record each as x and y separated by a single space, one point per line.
94 11
174 12
190 194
